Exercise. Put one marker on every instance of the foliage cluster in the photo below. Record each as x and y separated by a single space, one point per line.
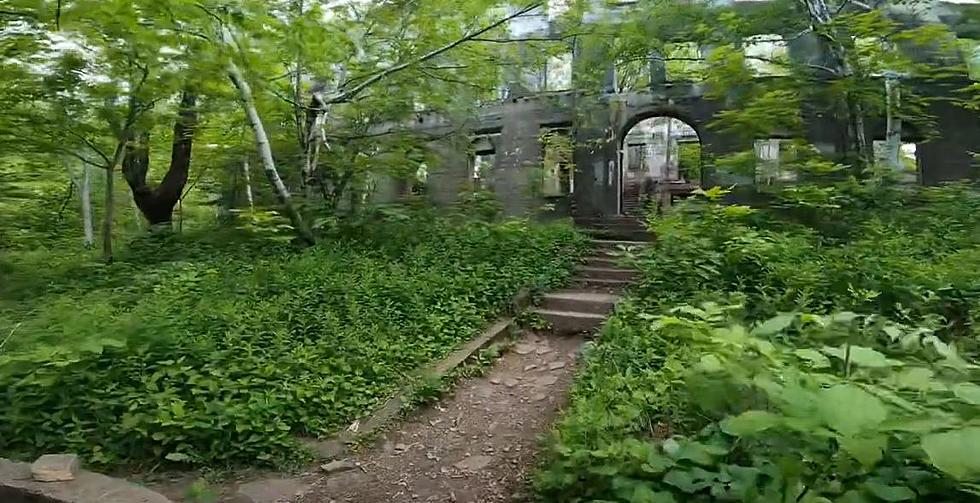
222 351
817 350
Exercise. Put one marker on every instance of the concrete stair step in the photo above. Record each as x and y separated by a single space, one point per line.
617 244
602 285
614 234
609 261
607 273
571 322
580 301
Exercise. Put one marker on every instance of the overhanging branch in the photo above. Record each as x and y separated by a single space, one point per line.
345 96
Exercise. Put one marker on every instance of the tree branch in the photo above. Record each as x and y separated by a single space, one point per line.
527 39
95 148
345 96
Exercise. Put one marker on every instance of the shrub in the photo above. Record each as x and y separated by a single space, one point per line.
819 349
222 357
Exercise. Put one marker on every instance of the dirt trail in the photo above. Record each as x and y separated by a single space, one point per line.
476 445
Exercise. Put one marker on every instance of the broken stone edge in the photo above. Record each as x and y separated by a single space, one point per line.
18 486
339 445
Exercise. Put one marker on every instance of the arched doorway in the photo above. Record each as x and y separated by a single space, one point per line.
660 157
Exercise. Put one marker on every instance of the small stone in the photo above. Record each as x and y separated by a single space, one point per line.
55 468
494 380
401 447
523 349
539 397
530 368
543 350
546 381
474 463
510 382
337 467
556 365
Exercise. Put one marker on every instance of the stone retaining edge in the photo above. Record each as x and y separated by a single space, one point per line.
18 486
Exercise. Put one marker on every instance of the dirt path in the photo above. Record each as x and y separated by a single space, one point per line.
476 445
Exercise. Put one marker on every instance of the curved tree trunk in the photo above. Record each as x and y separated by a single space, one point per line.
265 154
157 203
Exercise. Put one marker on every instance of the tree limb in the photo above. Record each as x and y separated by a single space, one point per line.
95 148
526 39
345 96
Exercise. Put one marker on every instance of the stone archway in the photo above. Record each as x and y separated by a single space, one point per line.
659 156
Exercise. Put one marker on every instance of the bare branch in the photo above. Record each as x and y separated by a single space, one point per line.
527 39
354 91
95 148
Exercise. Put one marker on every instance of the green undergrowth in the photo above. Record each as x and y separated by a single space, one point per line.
221 351
822 348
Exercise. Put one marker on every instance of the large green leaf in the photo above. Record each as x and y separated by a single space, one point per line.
750 422
862 356
916 378
867 451
815 358
955 452
968 392
849 409
889 493
774 325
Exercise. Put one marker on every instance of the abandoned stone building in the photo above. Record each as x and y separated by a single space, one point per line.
654 127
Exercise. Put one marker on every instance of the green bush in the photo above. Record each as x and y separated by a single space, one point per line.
821 349
226 354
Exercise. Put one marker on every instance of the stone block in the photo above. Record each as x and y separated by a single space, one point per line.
18 486
55 468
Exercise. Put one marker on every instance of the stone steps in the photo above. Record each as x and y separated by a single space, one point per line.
606 261
595 292
571 322
580 301
615 227
607 273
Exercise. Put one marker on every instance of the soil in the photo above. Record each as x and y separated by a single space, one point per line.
477 444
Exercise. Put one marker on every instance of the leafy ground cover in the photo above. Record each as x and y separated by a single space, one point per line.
225 350
821 347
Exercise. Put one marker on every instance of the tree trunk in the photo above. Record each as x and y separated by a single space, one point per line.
157 203
265 153
248 185
86 197
821 15
110 174
315 117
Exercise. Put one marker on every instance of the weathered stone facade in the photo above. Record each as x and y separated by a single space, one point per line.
599 121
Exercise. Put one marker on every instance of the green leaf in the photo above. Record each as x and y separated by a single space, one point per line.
889 493
917 378
774 325
178 457
967 392
849 409
816 359
749 422
862 356
955 452
702 454
643 494
710 363
682 480
867 451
